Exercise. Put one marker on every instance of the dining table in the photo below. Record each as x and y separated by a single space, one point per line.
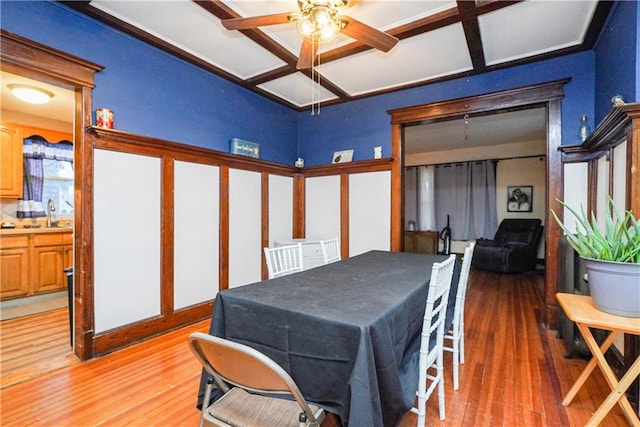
348 332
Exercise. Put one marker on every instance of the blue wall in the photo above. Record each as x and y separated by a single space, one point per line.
153 93
365 123
618 58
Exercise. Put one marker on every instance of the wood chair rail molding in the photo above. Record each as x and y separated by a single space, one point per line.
547 94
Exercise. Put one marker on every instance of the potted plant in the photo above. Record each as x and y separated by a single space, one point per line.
612 258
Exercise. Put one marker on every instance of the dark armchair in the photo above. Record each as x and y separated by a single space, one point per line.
514 248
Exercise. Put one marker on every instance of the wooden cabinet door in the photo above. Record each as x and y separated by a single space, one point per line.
14 267
47 264
11 160
67 256
47 269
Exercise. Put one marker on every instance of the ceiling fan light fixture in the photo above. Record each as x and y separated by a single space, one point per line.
320 22
30 94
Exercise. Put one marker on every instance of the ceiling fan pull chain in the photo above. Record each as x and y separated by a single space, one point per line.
318 85
313 76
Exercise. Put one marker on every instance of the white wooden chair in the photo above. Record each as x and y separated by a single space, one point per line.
433 323
250 381
283 260
456 332
330 250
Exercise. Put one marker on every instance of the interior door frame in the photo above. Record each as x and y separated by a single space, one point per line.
19 55
550 96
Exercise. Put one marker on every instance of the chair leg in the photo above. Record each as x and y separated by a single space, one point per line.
205 401
440 376
422 411
456 362
462 346
421 394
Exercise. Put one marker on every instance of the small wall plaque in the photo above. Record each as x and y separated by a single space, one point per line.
244 148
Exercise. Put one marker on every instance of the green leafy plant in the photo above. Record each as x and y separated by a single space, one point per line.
620 242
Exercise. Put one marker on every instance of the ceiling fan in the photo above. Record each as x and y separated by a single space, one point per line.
318 21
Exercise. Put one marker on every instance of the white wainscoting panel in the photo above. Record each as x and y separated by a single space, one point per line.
245 227
575 190
280 208
322 207
602 189
620 177
126 238
196 233
369 212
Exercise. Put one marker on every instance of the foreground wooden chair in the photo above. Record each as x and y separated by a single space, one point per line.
431 342
249 380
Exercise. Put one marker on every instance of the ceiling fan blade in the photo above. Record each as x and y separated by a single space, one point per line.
368 35
307 54
257 21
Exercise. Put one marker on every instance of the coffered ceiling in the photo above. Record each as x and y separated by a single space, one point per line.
438 40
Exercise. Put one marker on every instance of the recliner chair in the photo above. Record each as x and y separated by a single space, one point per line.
514 248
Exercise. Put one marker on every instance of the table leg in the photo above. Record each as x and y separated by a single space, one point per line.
615 395
608 373
589 368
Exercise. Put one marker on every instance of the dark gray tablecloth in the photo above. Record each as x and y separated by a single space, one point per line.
347 332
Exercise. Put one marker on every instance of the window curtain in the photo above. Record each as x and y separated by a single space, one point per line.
410 196
34 150
426 198
466 193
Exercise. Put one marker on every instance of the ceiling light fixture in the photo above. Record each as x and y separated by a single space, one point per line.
319 20
30 94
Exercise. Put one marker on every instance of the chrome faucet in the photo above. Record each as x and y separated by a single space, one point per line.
50 209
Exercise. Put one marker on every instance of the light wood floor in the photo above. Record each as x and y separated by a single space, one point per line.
515 373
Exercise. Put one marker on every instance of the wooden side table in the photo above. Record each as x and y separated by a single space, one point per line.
581 310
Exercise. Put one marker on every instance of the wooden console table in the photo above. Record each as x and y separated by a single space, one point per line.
423 242
581 310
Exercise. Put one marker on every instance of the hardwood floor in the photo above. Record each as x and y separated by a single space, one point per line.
515 372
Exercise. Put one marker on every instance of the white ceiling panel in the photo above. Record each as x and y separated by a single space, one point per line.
191 28
517 32
424 57
297 89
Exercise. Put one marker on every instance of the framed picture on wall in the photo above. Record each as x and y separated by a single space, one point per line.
519 198
343 156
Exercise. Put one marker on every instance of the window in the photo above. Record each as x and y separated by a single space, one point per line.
58 185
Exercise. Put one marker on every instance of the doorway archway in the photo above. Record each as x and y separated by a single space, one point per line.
548 94
27 58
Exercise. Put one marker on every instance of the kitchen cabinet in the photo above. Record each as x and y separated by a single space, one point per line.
11 137
11 159
14 266
423 242
34 262
48 263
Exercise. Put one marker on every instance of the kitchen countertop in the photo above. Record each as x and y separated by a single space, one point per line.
34 230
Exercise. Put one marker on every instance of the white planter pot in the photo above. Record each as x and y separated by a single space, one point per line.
614 286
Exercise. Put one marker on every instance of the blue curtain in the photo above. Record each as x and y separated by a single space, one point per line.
466 192
34 150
